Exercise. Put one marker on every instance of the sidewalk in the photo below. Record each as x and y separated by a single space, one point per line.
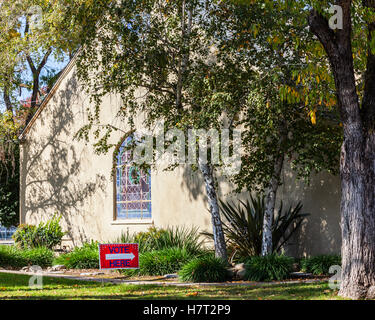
165 282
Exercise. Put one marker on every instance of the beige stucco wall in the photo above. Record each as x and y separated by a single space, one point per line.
63 175
320 232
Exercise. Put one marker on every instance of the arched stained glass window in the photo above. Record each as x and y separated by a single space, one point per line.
133 187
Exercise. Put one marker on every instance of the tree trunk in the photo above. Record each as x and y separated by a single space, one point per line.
6 97
36 73
357 164
186 31
219 239
358 216
206 169
357 170
270 206
352 220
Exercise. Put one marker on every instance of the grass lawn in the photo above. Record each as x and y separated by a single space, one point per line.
14 286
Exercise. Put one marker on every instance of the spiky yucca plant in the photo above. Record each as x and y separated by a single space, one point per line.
243 225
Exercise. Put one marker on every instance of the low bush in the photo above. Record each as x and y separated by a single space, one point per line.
319 265
161 262
41 256
164 261
85 257
268 268
204 269
48 234
10 257
13 257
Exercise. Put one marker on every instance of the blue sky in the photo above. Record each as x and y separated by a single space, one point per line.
52 65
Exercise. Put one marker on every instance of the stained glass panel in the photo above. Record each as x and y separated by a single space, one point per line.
133 187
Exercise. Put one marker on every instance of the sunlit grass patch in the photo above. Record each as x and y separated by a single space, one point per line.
14 286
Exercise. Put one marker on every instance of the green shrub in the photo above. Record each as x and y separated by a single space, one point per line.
47 234
146 240
204 269
85 257
268 268
171 237
319 265
161 262
13 257
243 225
164 261
41 256
25 236
10 257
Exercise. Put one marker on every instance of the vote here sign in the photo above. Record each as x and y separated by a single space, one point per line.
119 256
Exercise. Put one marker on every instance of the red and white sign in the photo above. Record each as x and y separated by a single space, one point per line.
119 256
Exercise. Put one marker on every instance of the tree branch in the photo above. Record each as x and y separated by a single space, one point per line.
44 60
368 102
186 31
28 58
31 64
337 45
319 27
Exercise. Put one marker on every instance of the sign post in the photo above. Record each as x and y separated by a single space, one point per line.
119 256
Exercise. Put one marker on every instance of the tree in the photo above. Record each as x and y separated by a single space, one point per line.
32 32
9 171
275 132
166 49
347 48
357 165
279 120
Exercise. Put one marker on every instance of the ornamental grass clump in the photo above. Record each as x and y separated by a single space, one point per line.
170 237
268 268
319 265
161 262
204 269
85 257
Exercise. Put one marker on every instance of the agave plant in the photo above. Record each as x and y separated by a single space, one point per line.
243 225
285 224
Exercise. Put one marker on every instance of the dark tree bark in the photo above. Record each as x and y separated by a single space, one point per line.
6 97
36 70
8 77
357 164
219 239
